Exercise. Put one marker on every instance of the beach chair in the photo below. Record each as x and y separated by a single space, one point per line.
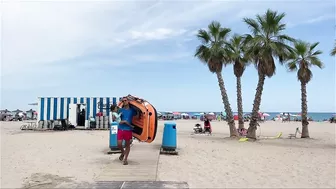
294 135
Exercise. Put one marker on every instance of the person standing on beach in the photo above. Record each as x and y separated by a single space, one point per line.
125 130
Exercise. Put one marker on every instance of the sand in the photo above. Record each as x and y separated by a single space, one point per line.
29 156
219 162
72 158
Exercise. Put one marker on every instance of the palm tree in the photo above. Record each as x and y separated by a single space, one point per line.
333 51
265 43
303 57
236 51
213 54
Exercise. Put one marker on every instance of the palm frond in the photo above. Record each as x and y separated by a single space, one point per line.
203 36
252 25
304 56
224 32
318 52
214 30
212 50
333 51
284 38
203 53
314 60
313 45
301 47
292 65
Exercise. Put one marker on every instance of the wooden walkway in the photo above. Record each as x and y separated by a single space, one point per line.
141 171
142 163
138 185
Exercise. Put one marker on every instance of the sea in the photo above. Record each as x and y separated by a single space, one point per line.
316 116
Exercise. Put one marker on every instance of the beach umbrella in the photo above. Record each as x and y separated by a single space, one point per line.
184 114
211 113
265 114
176 113
201 113
223 113
5 111
17 111
196 114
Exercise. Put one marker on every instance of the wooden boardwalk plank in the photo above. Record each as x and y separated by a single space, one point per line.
142 165
140 173
139 185
154 185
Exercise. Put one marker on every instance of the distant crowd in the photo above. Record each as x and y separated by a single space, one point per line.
17 115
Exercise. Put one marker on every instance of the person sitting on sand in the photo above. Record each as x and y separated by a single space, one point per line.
242 132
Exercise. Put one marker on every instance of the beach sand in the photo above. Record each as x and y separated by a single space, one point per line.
219 162
75 158
28 157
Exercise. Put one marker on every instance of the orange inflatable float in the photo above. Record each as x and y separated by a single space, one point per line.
144 127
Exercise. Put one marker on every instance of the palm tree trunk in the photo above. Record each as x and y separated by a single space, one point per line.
251 131
240 105
304 110
228 110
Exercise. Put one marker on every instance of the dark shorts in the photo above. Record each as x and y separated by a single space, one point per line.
124 135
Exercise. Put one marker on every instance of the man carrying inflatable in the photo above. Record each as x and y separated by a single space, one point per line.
125 130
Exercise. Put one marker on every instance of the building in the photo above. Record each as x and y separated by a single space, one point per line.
77 110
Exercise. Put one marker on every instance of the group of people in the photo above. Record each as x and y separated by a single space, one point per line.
123 116
207 126
286 117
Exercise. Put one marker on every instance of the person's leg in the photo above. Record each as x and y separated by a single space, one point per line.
120 139
127 150
127 137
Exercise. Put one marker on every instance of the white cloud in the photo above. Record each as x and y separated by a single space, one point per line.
161 57
156 34
320 18
35 33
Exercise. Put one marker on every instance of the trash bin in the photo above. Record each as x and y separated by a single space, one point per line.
169 136
113 137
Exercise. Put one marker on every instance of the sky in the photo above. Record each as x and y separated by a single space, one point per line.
146 48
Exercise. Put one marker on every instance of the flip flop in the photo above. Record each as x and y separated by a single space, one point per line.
121 157
125 163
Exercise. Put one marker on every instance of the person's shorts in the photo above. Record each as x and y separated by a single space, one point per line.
124 135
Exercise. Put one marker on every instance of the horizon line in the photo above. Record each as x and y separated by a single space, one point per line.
251 111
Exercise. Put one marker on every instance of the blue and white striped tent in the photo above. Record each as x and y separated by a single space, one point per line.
53 108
